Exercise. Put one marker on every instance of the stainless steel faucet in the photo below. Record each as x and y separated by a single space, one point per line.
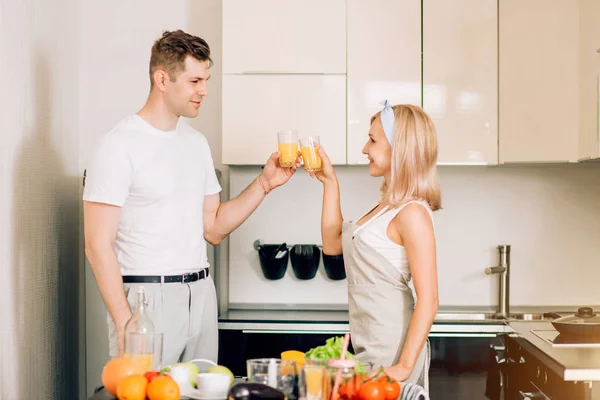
503 270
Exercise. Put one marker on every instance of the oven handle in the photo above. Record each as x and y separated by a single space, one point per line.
327 332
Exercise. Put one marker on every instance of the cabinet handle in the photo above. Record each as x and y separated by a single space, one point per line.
294 331
285 73
531 395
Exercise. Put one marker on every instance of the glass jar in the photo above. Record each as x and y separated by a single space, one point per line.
340 380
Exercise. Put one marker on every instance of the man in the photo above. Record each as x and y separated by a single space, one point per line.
151 202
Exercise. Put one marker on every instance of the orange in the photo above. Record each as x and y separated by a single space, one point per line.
116 370
132 387
163 388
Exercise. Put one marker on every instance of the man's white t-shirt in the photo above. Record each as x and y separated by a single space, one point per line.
159 179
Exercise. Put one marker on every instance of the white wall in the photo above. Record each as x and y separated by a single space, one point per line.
550 215
41 287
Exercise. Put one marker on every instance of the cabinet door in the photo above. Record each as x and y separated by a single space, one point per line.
589 79
384 62
460 78
256 107
299 36
538 80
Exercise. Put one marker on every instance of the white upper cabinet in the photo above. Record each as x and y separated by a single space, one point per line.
589 79
384 62
460 78
277 36
256 107
539 80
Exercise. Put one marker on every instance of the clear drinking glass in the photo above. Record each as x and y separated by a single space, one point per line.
288 147
310 382
309 147
277 373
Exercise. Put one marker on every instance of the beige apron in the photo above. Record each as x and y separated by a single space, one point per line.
380 301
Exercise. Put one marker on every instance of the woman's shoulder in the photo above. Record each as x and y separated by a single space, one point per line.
413 211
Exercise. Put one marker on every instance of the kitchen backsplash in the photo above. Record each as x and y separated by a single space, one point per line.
550 215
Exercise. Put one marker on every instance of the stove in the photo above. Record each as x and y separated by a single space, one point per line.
555 339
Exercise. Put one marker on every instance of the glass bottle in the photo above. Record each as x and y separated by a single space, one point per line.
140 335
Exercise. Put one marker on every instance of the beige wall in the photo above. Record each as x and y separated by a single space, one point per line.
40 289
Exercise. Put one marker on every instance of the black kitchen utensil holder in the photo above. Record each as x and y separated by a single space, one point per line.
305 260
334 267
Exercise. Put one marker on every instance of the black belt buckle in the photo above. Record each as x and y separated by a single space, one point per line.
189 277
194 276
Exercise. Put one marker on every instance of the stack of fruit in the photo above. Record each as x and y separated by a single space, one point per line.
126 379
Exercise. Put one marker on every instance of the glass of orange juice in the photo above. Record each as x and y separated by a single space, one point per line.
288 147
311 381
309 147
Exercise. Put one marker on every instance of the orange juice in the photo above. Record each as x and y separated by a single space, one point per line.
288 153
314 382
312 160
145 360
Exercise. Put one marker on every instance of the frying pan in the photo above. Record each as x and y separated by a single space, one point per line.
584 323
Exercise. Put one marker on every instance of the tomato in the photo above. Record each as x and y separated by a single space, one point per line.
151 375
391 388
359 380
371 390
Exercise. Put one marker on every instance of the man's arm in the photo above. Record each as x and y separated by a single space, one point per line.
220 219
101 222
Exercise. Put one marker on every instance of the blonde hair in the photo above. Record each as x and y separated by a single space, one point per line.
414 157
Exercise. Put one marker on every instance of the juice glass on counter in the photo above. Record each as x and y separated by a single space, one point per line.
288 147
277 373
310 382
309 147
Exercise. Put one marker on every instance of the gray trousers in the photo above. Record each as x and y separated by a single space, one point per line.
186 313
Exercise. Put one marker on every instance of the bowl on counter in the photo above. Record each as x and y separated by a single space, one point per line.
210 385
334 267
305 260
273 260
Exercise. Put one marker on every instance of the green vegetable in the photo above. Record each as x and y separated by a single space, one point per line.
333 349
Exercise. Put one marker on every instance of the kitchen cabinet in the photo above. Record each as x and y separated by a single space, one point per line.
538 80
384 62
460 78
292 36
589 80
256 107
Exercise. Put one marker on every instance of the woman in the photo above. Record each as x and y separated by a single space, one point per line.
391 243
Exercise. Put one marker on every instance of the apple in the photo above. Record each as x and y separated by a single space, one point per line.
192 369
220 369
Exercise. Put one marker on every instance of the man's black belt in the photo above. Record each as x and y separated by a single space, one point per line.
183 278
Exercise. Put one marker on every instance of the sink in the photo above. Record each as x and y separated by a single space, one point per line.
528 317
465 316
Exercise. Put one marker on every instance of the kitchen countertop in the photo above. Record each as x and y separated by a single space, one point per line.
449 319
573 364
